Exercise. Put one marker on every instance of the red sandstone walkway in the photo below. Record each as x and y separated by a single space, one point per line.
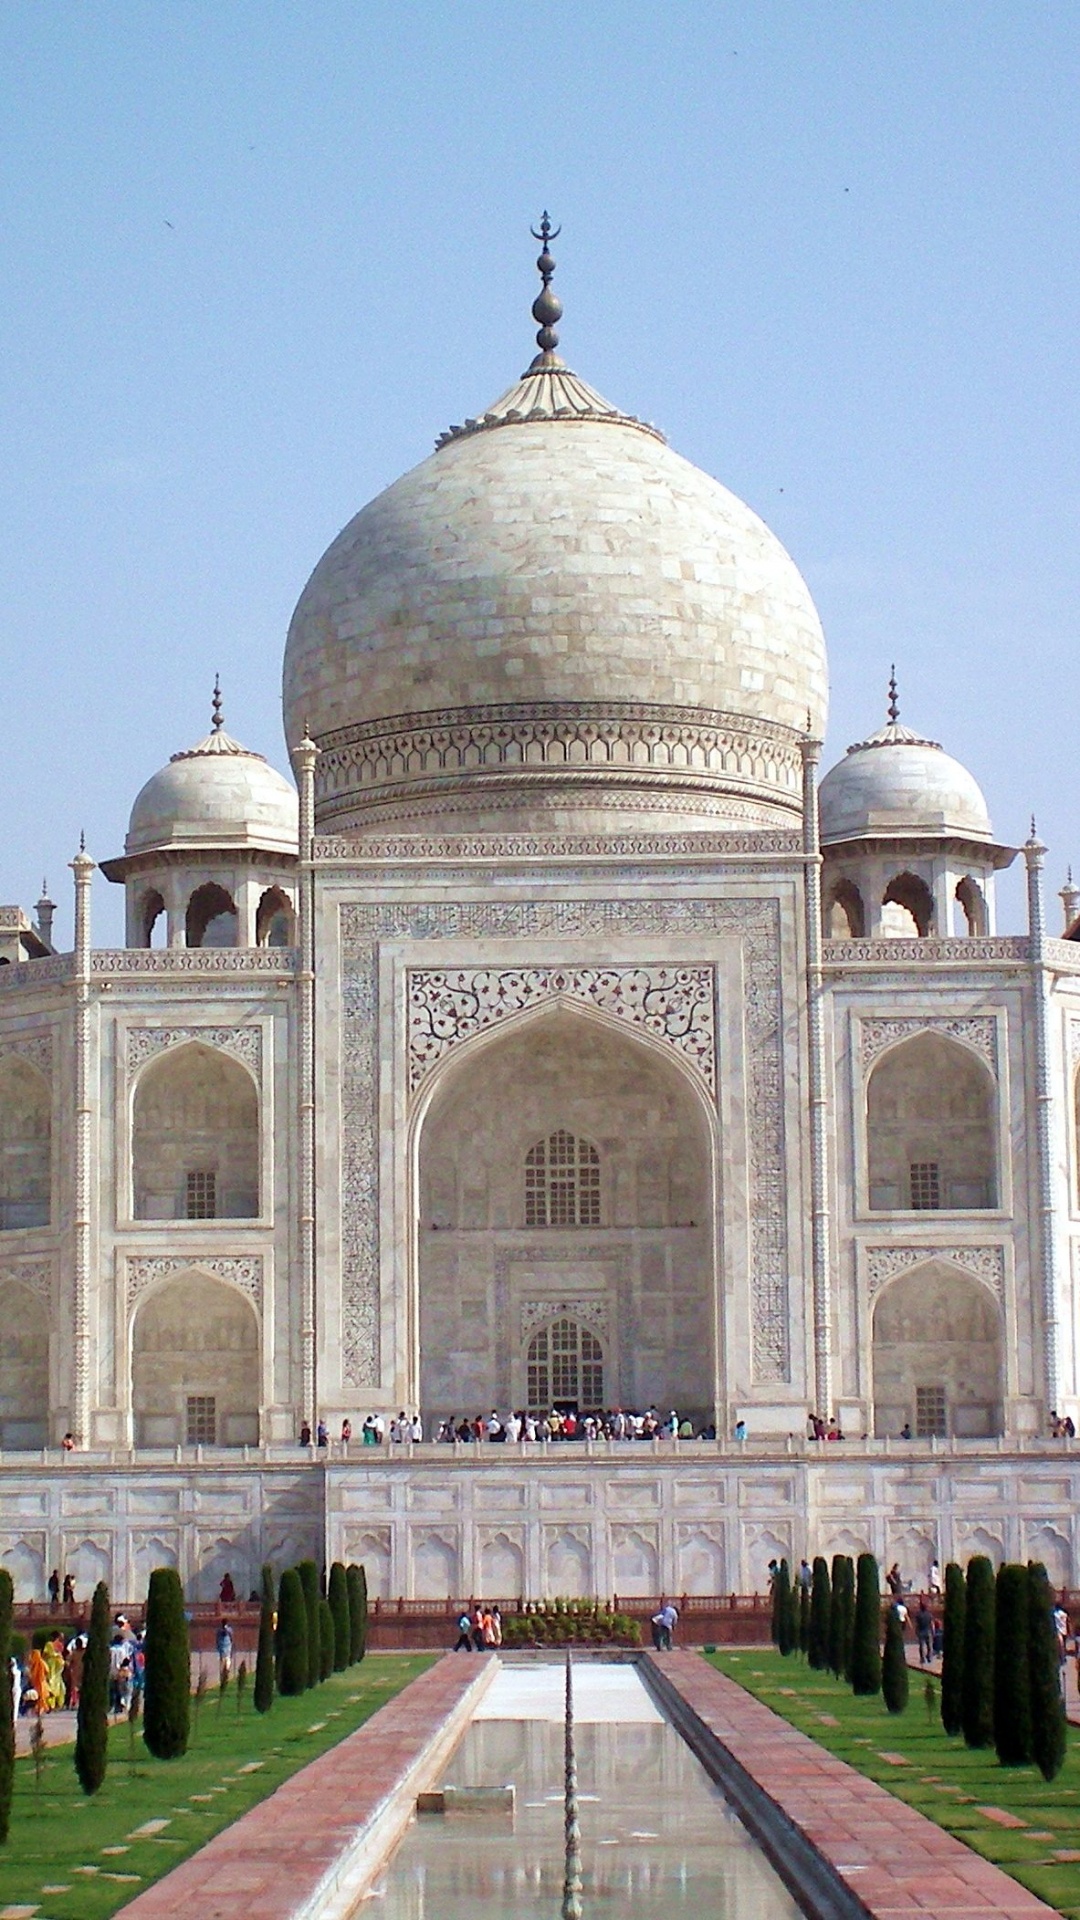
897 1862
271 1861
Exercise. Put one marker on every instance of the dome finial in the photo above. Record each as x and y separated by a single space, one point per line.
217 717
894 703
547 307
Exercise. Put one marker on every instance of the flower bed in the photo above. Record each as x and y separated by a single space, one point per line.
570 1623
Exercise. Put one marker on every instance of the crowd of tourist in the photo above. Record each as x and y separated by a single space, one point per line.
48 1678
616 1423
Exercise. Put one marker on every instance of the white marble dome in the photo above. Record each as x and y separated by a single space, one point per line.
555 612
898 785
216 794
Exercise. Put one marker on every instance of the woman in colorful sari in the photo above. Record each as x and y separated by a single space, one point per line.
53 1653
39 1680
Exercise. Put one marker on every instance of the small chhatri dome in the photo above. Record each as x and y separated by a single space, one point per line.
215 794
897 784
555 623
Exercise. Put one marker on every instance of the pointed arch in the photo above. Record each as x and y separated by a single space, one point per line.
275 919
25 1144
931 1127
195 1363
845 912
211 919
973 903
937 1353
911 896
24 1367
195 1137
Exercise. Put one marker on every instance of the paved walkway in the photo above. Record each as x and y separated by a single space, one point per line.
271 1862
897 1862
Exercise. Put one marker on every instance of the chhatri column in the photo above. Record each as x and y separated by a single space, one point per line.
819 1161
82 867
304 760
1034 858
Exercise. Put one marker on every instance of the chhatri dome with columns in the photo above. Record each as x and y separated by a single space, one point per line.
557 1038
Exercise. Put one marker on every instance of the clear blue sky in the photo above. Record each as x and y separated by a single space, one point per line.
254 258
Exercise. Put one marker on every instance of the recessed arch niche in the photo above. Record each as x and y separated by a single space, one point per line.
937 1354
25 1144
636 1271
195 1137
931 1128
24 1367
195 1364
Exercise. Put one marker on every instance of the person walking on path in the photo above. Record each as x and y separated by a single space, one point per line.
224 1645
463 1643
924 1631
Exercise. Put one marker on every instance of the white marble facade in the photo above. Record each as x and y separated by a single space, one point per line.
561 1009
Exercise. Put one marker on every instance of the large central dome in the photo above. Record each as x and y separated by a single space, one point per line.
555 621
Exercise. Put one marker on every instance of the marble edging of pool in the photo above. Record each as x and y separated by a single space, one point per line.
313 1847
891 1862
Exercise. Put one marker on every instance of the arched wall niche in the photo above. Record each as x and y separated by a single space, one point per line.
211 919
25 1144
937 1354
931 1128
24 1368
195 1364
907 907
195 1138
638 1273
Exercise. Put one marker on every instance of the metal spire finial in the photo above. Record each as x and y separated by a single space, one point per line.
547 307
894 703
218 720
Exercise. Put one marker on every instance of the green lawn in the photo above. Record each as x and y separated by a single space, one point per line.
77 1859
941 1777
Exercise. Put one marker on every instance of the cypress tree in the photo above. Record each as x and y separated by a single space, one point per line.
7 1723
804 1618
309 1581
894 1668
952 1655
356 1582
327 1638
339 1607
774 1604
847 1624
819 1635
264 1659
167 1685
784 1637
836 1617
977 1706
866 1634
92 1720
1012 1686
1044 1667
292 1634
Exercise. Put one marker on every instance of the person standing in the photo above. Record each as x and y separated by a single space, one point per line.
346 1434
69 1590
463 1643
935 1579
54 1587
224 1646
924 1631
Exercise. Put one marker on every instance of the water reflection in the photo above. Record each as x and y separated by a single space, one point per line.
657 1836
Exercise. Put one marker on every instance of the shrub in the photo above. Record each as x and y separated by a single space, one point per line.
1047 1706
167 1684
804 1618
92 1720
356 1583
309 1582
292 1634
818 1635
7 1728
785 1621
264 1659
977 1705
952 1660
598 1627
866 1634
894 1670
338 1595
1012 1684
838 1660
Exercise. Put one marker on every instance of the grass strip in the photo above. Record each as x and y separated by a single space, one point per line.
73 1858
957 1787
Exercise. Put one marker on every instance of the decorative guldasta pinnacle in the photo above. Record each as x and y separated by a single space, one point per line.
547 307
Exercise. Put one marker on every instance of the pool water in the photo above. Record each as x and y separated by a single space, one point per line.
657 1837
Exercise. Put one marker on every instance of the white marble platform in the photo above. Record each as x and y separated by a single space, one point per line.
602 1695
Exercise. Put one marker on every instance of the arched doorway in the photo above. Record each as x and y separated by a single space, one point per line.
930 1128
25 1145
24 1368
937 1355
195 1365
565 1226
195 1138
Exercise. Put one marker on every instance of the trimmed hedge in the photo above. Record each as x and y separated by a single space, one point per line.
338 1596
264 1660
786 1633
1047 1705
977 1705
561 1623
92 1720
309 1581
894 1669
1012 1680
167 1685
952 1657
326 1639
866 1635
356 1584
818 1638
292 1634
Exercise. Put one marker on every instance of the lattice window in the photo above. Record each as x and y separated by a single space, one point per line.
562 1183
565 1363
930 1414
201 1195
201 1420
925 1178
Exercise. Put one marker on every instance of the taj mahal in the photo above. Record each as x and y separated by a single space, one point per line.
562 1033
